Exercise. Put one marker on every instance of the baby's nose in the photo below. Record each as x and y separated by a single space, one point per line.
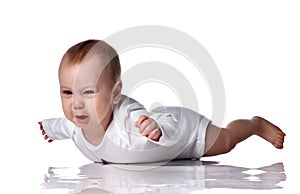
78 102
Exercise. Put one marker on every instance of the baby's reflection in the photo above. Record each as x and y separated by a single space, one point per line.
179 176
224 176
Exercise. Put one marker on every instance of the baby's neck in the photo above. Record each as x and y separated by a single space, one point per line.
93 136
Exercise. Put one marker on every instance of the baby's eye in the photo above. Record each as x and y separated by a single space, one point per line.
89 92
67 92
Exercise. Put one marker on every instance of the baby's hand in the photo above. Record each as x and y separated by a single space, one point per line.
149 128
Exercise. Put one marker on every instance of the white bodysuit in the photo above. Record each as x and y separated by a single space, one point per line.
183 135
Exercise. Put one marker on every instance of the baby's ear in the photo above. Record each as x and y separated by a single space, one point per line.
116 92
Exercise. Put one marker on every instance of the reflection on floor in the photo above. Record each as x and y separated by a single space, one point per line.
180 176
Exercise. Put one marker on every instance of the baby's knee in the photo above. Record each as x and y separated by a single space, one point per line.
218 141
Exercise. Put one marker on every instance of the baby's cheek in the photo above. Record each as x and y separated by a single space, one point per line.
68 111
102 108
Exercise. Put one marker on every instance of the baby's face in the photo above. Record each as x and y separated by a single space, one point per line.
86 93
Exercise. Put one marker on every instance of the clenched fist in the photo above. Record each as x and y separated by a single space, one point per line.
149 128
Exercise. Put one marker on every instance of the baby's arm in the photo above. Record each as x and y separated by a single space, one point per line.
157 126
56 129
149 128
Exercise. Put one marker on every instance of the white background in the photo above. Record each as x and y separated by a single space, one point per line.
255 45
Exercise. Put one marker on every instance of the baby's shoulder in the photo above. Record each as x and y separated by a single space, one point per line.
128 103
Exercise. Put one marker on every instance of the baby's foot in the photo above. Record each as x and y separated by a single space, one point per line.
269 132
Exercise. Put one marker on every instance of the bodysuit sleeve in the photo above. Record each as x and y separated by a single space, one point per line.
58 128
169 127
131 110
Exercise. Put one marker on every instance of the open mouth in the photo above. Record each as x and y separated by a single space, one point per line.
82 118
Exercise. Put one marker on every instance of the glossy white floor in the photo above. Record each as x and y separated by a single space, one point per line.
174 177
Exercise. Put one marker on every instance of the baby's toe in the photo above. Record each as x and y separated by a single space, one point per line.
278 144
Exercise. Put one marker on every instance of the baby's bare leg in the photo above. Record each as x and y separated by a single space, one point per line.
222 140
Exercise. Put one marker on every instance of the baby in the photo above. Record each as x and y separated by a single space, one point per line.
107 126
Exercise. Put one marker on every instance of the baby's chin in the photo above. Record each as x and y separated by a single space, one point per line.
88 126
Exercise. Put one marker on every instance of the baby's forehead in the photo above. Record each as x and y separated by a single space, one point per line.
91 70
93 63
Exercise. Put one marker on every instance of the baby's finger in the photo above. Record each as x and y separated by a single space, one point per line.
149 129
155 135
140 120
145 127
